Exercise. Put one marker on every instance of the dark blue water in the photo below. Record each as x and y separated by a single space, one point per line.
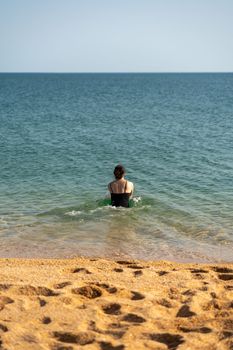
61 136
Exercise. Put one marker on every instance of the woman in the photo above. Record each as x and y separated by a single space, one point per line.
121 190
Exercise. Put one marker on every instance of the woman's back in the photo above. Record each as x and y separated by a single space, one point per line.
121 190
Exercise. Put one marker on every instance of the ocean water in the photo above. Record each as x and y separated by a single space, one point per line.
61 136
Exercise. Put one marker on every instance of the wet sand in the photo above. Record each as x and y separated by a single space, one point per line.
103 304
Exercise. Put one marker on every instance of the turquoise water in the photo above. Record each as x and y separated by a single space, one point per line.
61 136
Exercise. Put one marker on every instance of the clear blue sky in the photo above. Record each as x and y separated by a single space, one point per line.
116 35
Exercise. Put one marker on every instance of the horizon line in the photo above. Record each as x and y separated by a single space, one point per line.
112 72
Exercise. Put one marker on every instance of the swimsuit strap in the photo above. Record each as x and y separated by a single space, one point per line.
125 187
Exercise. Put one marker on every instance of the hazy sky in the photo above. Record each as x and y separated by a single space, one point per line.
116 35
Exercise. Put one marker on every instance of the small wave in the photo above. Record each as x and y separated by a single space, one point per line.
136 200
90 209
100 208
73 213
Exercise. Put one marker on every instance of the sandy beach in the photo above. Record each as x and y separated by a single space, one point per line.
104 304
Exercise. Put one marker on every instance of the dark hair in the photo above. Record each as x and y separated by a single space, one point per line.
119 171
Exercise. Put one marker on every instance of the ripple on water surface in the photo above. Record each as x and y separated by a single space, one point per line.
62 135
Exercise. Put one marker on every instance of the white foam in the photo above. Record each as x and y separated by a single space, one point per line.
106 207
73 213
136 199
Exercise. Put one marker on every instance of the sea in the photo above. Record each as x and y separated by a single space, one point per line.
61 135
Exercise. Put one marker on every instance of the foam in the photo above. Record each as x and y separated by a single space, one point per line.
73 212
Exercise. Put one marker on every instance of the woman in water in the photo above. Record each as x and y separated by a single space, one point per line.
121 190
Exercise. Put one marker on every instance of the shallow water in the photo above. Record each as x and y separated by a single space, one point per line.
61 136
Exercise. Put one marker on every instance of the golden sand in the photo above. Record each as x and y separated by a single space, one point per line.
115 305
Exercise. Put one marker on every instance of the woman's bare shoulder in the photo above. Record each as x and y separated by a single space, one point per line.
110 184
130 184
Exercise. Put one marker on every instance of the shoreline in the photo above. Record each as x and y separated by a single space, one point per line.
202 254
115 258
100 303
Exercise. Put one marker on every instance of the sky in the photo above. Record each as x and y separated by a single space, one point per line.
116 35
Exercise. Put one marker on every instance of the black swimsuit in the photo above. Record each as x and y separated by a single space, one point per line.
120 199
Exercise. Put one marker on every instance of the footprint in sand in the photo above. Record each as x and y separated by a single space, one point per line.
42 302
138 273
228 287
164 302
118 270
90 292
225 277
5 300
185 311
125 262
136 267
46 320
198 276
222 269
224 273
3 328
31 290
130 264
189 292
81 338
61 347
203 330
226 335
227 326
198 271
81 269
115 334
162 273
118 325
213 295
61 285
107 287
133 318
137 296
108 346
112 309
171 340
